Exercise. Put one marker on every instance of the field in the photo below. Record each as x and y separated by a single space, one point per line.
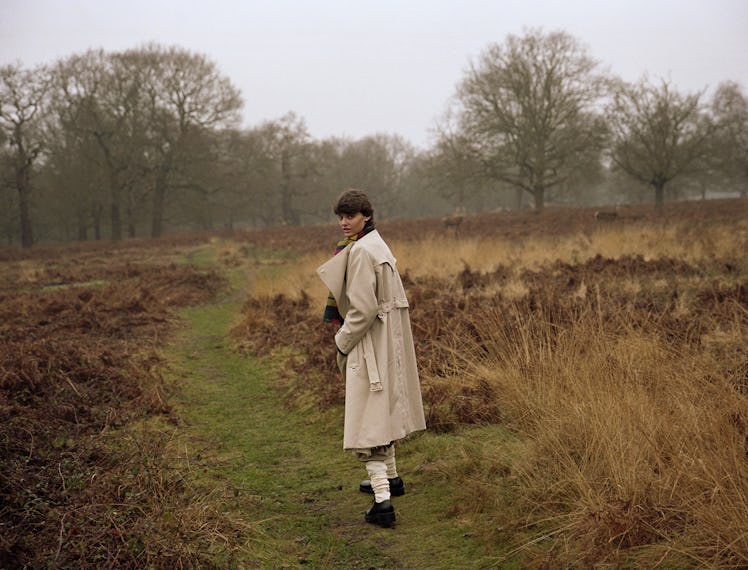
608 361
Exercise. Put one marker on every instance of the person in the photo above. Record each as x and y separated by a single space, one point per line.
375 351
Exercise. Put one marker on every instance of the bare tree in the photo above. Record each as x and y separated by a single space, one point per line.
657 134
730 111
526 110
74 185
8 193
148 111
187 94
455 170
22 97
98 96
252 175
287 144
377 163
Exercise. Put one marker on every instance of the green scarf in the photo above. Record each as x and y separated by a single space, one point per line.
332 315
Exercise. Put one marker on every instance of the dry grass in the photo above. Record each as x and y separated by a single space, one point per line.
616 353
635 443
93 471
444 256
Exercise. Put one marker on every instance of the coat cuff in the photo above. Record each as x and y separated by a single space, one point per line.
342 342
337 345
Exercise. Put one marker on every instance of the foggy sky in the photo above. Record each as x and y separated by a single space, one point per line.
359 67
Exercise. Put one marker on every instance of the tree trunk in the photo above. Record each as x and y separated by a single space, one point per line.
539 196
659 195
157 219
116 216
519 193
96 216
290 217
159 198
80 220
24 190
205 215
287 212
129 216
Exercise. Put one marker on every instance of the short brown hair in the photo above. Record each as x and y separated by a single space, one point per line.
352 201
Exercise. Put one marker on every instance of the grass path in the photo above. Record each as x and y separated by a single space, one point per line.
302 487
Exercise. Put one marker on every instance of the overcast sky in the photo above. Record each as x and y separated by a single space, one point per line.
359 67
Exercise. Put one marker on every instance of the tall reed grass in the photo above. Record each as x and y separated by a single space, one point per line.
636 445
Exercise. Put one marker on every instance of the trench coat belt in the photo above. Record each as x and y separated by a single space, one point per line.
387 306
370 359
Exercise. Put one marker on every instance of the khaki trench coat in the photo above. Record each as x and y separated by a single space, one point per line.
382 390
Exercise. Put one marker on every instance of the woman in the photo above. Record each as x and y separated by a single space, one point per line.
375 350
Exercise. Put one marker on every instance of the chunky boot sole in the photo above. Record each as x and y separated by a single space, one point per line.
397 487
382 514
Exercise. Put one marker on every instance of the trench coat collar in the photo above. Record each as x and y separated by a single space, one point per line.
332 273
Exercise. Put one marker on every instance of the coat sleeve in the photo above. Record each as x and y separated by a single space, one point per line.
361 289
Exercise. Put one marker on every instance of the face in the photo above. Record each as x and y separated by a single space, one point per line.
351 224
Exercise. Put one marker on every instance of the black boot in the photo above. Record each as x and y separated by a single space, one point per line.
397 487
382 514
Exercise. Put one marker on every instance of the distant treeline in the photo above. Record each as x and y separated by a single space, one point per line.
104 145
